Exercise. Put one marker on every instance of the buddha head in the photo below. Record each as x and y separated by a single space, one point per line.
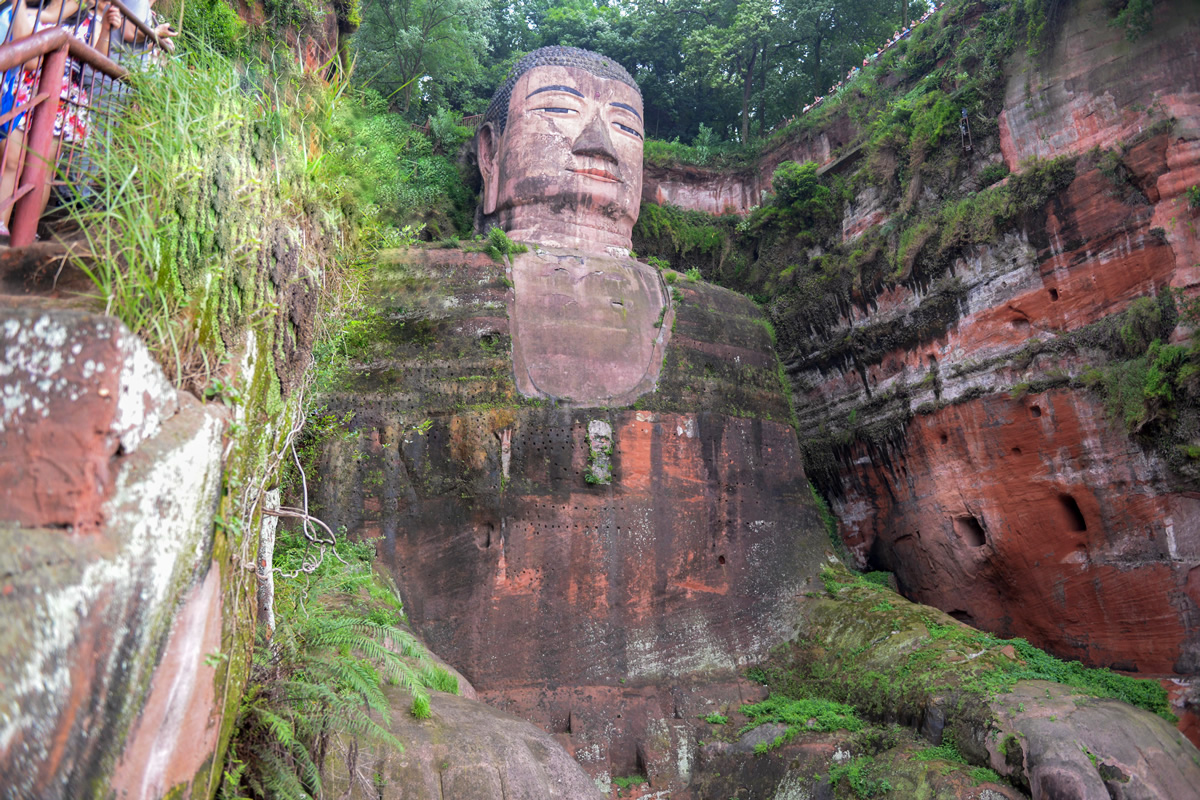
560 151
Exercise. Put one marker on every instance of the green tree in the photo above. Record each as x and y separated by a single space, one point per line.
726 51
419 49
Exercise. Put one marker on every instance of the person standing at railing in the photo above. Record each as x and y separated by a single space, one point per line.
129 41
91 24
129 47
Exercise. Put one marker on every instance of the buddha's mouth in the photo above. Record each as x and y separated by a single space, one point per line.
599 174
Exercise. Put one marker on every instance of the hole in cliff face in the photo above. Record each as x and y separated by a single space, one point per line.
1054 295
1072 517
1035 411
932 361
721 560
483 535
1020 324
969 530
1016 451
945 438
962 616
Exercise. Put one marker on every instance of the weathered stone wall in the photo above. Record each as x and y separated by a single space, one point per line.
129 509
1029 512
111 484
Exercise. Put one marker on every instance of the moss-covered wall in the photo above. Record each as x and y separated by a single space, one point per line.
213 243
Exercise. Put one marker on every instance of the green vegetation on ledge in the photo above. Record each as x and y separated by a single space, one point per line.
926 654
336 641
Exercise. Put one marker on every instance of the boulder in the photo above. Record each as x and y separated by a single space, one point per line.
466 751
1068 747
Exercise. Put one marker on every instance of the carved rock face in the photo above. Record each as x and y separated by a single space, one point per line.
567 171
589 325
587 329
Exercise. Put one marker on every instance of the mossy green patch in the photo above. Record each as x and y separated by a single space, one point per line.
891 660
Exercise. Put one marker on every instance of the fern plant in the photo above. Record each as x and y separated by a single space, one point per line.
336 641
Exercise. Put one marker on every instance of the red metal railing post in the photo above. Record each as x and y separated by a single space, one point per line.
39 163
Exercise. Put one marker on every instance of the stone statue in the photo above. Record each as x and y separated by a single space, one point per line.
560 153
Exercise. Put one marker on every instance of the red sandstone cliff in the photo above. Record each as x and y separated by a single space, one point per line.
968 447
1037 515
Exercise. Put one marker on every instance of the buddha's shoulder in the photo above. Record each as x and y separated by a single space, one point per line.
721 356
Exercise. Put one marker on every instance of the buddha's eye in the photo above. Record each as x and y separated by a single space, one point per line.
628 129
554 110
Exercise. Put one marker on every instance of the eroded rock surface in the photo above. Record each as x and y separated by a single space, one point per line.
112 484
583 604
1071 748
467 750
952 410
71 365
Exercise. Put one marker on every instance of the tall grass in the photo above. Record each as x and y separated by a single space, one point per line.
190 175
210 171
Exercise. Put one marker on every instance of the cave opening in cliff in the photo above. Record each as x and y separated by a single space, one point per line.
962 616
1054 295
970 530
1071 515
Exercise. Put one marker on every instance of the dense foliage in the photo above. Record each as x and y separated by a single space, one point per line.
322 674
737 67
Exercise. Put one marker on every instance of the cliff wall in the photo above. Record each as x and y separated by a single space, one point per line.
578 566
131 494
970 388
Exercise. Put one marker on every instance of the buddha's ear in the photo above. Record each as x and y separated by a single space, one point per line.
489 165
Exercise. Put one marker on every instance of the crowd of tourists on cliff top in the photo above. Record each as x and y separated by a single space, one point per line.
85 91
903 33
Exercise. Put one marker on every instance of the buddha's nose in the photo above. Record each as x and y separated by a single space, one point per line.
594 141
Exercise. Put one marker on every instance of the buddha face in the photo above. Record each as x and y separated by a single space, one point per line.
567 170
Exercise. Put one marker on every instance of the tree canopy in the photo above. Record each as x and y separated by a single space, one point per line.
737 66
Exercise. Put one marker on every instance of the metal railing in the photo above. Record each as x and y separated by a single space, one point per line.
41 157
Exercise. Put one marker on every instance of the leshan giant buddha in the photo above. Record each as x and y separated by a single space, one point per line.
598 569
560 154
605 572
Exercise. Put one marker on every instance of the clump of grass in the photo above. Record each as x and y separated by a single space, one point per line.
859 775
806 714
943 752
499 246
177 204
628 781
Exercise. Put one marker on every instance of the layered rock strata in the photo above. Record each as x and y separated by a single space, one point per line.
1013 498
957 409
